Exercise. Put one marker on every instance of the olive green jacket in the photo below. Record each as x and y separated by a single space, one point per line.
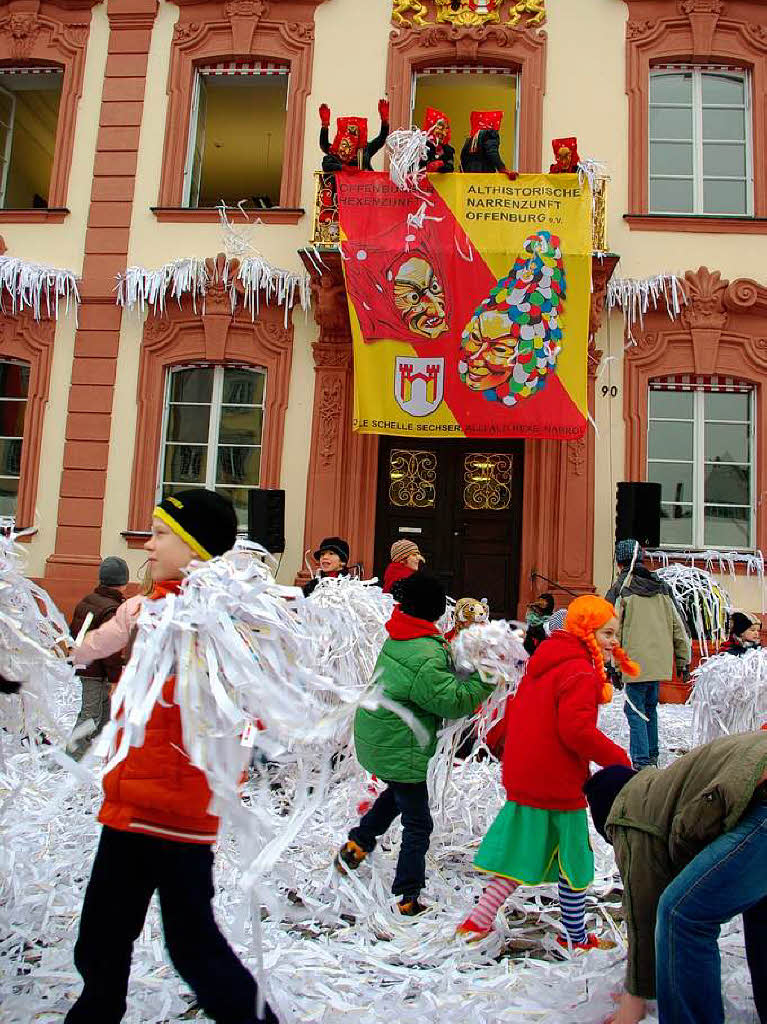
662 819
419 676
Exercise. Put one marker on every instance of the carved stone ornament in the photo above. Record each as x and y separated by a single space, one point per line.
705 300
703 15
702 7
22 30
467 13
246 9
638 29
576 456
332 357
331 398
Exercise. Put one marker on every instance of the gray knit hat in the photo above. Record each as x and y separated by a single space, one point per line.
624 551
113 572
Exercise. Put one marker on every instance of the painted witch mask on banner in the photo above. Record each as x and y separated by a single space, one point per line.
512 342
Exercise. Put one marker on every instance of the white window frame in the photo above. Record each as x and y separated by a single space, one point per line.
214 423
697 73
473 70
699 467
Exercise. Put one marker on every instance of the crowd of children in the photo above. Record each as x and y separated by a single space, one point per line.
689 841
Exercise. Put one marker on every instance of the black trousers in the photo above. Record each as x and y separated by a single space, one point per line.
411 800
128 868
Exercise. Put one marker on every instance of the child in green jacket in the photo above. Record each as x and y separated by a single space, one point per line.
414 669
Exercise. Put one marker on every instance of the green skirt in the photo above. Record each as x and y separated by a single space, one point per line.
532 846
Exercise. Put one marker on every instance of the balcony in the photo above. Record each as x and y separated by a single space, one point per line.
325 219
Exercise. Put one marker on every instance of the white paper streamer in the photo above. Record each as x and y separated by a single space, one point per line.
35 286
139 288
729 695
636 296
703 601
407 151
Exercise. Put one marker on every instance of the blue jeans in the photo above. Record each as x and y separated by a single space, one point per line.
728 877
411 800
643 735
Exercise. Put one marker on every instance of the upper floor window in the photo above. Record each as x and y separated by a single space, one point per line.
29 113
700 158
456 91
14 388
212 430
700 448
237 134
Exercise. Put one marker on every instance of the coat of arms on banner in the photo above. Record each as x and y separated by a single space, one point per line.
419 384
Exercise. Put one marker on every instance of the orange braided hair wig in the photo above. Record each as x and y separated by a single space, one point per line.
586 615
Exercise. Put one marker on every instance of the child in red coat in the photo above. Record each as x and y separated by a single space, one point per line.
158 827
541 834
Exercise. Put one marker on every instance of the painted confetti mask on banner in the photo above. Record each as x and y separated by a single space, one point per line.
469 304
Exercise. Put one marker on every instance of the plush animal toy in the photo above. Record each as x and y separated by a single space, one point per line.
468 611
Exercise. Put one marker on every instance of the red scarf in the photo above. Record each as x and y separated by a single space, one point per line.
407 627
162 588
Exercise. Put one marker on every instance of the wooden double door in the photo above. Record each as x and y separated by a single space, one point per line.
461 502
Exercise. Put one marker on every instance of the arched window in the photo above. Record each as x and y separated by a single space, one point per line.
212 431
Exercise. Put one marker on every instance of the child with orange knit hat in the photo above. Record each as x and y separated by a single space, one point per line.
541 834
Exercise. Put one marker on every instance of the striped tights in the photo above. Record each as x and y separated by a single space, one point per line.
571 901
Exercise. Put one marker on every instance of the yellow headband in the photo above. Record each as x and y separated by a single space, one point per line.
167 518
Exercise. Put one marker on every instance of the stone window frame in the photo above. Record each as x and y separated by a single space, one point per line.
522 51
185 335
697 32
30 341
722 331
55 35
213 31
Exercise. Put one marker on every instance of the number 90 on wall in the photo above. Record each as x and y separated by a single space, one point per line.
609 391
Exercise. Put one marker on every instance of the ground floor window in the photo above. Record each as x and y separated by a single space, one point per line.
14 388
456 91
701 449
212 430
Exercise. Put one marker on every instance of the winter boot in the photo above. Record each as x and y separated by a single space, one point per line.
411 906
350 856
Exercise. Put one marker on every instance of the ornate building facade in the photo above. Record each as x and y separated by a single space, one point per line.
152 107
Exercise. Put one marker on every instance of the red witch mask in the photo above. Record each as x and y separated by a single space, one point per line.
490 119
566 157
436 122
351 136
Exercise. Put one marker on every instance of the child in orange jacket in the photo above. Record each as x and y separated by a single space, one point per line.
158 831
541 834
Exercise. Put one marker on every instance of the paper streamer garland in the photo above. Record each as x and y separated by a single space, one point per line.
254 280
635 297
35 286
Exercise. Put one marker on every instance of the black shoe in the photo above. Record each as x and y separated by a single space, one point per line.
411 906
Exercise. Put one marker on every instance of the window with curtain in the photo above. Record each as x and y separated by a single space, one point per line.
701 450
14 388
700 142
212 431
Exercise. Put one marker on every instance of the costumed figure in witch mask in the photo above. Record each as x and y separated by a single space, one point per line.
512 342
350 149
566 157
440 155
481 153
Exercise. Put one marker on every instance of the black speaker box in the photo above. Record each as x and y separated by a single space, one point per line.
637 513
266 518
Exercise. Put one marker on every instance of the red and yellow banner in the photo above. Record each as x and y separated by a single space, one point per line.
469 304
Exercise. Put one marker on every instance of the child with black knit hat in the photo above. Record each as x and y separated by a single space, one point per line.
158 831
415 670
745 634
